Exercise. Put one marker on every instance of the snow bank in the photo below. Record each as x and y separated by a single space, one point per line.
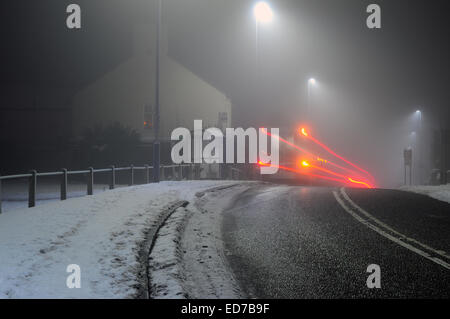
15 192
188 259
441 192
164 263
102 234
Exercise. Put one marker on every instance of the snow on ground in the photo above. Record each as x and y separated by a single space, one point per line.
15 193
440 192
204 261
164 262
102 234
188 259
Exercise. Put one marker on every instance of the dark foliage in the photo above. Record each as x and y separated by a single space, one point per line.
111 145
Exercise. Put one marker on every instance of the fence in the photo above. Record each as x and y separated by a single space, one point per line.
178 172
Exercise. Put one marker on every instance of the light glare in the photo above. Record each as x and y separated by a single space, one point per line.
263 13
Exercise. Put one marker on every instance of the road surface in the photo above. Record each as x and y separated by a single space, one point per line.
307 242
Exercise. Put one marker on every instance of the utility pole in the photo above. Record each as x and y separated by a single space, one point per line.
444 159
420 140
408 162
156 142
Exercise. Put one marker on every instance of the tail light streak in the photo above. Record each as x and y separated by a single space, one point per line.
326 148
349 180
352 180
305 173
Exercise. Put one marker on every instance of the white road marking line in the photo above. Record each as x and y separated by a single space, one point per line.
387 235
379 222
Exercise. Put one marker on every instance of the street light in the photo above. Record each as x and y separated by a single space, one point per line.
263 12
263 15
311 83
419 114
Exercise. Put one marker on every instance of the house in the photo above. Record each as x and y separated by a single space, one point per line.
126 94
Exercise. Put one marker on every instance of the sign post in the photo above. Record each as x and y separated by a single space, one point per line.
407 154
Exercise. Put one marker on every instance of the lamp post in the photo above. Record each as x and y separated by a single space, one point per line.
412 137
156 142
419 114
419 147
311 83
263 14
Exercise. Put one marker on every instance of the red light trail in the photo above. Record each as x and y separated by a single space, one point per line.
338 166
308 165
307 152
326 148
358 182
349 180
303 173
287 142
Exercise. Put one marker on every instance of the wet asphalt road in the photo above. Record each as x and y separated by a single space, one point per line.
299 242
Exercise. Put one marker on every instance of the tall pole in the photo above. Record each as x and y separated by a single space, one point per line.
257 71
257 47
308 113
310 85
405 175
410 175
444 144
156 143
419 149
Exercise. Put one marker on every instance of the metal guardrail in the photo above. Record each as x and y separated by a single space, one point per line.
189 171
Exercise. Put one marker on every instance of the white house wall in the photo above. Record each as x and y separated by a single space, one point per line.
121 95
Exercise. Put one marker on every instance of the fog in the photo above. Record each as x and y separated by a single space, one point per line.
369 82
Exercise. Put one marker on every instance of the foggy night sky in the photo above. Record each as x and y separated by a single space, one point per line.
370 81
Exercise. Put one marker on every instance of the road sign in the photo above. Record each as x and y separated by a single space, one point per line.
407 154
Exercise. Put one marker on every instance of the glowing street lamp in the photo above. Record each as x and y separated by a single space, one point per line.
263 12
312 81
419 115
263 15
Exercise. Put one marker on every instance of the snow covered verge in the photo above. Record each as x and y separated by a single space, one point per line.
441 192
15 192
102 234
188 259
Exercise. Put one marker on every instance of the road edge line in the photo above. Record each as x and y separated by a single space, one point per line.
387 235
379 222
